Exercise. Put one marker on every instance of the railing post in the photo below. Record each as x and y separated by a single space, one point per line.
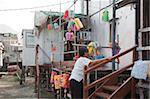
133 88
85 81
133 56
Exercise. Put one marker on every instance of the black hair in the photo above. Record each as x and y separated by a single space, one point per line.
82 51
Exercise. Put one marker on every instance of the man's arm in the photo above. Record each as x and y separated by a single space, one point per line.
97 61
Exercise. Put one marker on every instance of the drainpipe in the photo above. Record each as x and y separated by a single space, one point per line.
114 34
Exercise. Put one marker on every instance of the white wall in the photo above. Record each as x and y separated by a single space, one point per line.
125 28
28 54
126 31
54 37
45 40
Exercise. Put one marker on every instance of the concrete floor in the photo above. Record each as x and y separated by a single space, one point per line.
11 89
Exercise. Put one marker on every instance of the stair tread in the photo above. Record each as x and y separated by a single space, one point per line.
102 94
110 87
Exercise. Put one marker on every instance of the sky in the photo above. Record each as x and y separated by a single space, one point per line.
24 19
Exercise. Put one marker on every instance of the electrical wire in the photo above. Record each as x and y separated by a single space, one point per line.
68 8
18 9
73 4
102 9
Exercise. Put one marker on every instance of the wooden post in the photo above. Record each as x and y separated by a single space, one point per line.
85 91
133 88
133 56
35 75
37 71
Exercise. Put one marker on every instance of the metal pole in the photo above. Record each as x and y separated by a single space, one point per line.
87 7
114 34
141 27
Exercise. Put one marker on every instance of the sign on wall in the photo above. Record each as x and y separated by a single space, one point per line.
30 39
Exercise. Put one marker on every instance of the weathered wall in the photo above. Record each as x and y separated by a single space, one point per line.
125 28
28 54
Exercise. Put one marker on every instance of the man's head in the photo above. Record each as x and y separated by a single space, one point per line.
83 51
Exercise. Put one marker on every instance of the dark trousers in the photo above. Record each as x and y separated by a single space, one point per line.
69 46
76 89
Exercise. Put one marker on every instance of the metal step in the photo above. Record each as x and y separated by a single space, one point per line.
102 94
110 87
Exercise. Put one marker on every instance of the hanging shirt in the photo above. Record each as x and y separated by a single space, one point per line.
69 36
77 72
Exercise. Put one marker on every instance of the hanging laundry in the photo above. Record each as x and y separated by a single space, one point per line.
65 80
91 47
57 81
74 28
53 73
70 38
70 24
56 26
105 16
77 27
49 27
66 14
77 20
71 14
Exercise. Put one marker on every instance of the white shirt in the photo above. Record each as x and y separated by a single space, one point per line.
77 72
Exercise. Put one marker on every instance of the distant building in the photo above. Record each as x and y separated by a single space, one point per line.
9 39
28 52
1 53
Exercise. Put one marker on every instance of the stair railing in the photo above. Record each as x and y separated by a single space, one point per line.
96 65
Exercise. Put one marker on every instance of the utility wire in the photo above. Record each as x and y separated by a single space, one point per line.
73 4
18 9
103 8
68 8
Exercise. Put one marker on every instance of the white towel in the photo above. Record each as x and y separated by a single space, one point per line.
140 70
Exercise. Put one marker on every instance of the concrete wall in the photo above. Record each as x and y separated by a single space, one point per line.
125 28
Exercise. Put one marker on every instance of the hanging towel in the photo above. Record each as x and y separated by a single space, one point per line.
77 21
105 16
53 73
65 80
140 70
77 26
